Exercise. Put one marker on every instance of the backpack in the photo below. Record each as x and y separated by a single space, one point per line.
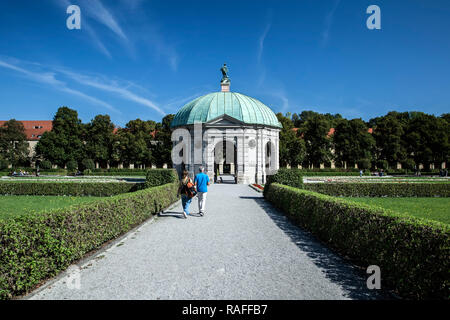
189 189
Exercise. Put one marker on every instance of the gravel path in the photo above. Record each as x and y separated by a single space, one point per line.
242 248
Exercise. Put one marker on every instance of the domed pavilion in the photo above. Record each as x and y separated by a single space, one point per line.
239 136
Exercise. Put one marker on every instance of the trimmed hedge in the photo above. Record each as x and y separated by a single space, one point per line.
37 246
413 254
334 174
157 177
381 189
289 177
98 189
116 173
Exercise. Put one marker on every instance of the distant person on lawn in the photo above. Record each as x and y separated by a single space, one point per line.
201 181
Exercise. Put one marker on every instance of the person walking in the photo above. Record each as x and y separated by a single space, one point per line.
183 189
201 181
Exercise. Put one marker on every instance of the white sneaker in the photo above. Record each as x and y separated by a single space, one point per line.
202 213
185 215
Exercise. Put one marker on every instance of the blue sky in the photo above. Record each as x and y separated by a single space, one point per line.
144 59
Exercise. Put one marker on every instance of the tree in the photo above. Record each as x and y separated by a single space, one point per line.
64 142
352 142
99 136
13 144
300 119
135 143
388 134
163 147
292 149
426 139
318 143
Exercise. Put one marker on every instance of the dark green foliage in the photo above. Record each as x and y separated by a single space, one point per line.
318 144
157 177
427 139
98 189
45 165
13 144
364 164
389 134
88 164
292 149
163 148
382 164
289 177
99 137
413 254
72 165
3 164
381 189
353 143
37 246
64 142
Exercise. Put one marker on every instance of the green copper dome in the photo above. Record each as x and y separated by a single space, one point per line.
233 104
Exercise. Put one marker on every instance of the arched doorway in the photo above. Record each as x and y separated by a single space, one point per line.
225 161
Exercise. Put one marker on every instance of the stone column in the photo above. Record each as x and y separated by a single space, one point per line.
240 158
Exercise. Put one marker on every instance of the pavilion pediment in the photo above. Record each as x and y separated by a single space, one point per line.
224 121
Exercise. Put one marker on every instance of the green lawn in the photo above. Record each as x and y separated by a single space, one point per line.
430 208
11 206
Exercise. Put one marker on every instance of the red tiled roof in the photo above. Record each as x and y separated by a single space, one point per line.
34 128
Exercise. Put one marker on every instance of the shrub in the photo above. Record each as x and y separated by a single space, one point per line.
88 164
45 165
291 177
72 165
413 253
381 189
98 189
157 177
382 164
39 245
3 164
364 164
409 164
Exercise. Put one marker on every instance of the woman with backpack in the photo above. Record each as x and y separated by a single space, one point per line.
187 191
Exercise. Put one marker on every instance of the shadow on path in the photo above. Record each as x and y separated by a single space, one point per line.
177 214
338 270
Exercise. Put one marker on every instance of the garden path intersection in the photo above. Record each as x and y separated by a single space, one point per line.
243 248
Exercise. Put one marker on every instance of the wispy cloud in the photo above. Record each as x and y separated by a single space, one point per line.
329 22
260 51
86 26
102 83
96 10
282 96
140 31
49 78
261 41
176 103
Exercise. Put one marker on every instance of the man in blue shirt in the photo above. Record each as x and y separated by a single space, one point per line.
201 181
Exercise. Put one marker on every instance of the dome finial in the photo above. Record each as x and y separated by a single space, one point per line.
225 82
